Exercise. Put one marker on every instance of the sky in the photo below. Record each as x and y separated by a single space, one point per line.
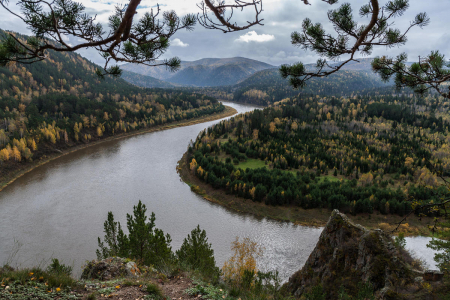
269 43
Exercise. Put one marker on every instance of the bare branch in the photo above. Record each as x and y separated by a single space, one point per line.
220 9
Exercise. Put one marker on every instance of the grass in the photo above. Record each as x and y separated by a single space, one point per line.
35 283
251 163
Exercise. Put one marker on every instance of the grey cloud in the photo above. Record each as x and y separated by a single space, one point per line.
285 16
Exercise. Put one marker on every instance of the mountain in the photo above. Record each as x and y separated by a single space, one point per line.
145 81
203 72
362 64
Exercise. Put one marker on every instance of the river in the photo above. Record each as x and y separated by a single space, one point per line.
58 209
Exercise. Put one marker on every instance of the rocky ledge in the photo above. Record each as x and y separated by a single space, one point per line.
110 268
347 255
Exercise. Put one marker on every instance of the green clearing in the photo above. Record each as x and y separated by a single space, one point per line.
251 163
329 177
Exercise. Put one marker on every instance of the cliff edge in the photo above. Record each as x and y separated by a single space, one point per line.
347 255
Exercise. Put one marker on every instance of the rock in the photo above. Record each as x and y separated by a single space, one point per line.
110 268
348 254
432 275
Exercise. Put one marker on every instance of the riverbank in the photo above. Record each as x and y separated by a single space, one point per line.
296 215
12 176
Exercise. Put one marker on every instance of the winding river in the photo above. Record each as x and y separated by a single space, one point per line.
58 209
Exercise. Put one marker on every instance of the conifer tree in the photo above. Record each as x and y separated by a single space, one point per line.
351 38
140 41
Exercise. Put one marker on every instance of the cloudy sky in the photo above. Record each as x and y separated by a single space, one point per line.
269 43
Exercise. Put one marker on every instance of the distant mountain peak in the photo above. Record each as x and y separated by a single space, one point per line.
204 72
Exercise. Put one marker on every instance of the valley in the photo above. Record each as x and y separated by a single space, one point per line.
143 157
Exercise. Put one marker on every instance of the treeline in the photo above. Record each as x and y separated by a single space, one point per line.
357 155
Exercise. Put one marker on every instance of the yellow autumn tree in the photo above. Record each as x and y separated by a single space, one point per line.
200 171
244 258
4 155
16 154
366 179
255 134
193 165
409 162
99 131
272 127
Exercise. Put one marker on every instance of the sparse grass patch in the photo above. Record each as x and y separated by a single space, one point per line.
209 292
35 283
154 291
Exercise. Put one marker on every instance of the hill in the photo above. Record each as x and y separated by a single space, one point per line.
203 72
59 103
267 86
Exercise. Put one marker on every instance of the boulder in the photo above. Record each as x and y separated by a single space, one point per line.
110 268
348 254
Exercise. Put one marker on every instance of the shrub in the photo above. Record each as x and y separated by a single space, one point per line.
57 268
400 241
242 261
154 291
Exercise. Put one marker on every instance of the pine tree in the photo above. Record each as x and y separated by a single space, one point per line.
197 254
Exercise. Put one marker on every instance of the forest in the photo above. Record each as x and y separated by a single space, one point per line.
359 155
59 103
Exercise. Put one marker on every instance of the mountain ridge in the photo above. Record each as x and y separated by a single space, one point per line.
203 72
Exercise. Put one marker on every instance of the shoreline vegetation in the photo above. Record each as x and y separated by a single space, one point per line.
315 217
9 178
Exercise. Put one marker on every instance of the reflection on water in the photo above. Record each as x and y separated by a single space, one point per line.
417 246
58 209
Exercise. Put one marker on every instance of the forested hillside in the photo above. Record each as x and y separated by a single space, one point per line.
267 86
60 102
359 154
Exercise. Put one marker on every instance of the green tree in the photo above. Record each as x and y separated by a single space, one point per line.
115 239
196 253
144 242
442 258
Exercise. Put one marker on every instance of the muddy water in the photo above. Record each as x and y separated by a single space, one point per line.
58 210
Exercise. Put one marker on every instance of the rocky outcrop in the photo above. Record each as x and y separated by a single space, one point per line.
348 254
109 268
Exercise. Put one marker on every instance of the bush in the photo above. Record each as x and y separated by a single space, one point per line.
242 261
196 253
154 291
400 241
57 268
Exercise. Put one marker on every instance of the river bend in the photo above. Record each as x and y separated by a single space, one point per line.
58 209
